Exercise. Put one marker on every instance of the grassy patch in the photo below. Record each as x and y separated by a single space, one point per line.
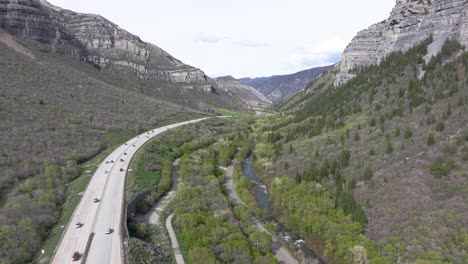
147 166
117 137
179 117
227 112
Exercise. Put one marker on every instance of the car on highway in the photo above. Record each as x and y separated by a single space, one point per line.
121 160
96 200
78 224
112 161
109 230
121 169
106 171
76 256
125 153
107 162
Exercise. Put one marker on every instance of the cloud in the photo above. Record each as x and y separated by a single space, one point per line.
204 38
208 38
251 43
318 54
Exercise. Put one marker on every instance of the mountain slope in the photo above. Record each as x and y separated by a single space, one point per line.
72 85
280 87
390 147
248 94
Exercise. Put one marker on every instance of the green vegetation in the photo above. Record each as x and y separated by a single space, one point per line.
153 169
318 159
205 220
227 112
441 167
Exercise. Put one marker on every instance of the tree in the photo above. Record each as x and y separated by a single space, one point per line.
368 174
389 147
430 139
440 126
408 133
53 171
198 254
356 136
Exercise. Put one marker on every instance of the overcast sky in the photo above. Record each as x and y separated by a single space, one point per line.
243 38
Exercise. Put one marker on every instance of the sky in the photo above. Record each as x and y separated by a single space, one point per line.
243 38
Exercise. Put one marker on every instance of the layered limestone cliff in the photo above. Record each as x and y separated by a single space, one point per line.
94 39
410 22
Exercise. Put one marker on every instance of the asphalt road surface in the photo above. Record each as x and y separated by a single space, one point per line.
107 185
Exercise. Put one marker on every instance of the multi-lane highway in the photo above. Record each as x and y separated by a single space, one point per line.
107 185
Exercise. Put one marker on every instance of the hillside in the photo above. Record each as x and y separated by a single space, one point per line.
389 148
249 95
71 86
281 87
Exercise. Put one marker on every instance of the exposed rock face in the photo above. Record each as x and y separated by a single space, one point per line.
92 38
410 22
280 87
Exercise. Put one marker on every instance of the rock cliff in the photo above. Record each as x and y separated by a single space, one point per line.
94 39
410 22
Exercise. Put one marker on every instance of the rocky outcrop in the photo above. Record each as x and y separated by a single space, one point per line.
410 22
94 39
279 87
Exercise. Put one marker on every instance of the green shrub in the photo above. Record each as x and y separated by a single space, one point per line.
450 149
441 167
408 133
430 140
356 136
368 174
440 126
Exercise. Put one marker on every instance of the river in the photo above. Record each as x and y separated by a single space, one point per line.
263 201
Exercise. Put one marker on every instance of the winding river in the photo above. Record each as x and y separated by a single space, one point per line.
263 201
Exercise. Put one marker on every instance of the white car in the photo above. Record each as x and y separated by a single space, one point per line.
78 224
96 200
109 230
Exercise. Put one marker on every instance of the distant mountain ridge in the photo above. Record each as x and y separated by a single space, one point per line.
280 87
251 97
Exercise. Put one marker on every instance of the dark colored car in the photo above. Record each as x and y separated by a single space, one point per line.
76 256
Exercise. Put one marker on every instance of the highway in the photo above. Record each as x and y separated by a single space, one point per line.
108 185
